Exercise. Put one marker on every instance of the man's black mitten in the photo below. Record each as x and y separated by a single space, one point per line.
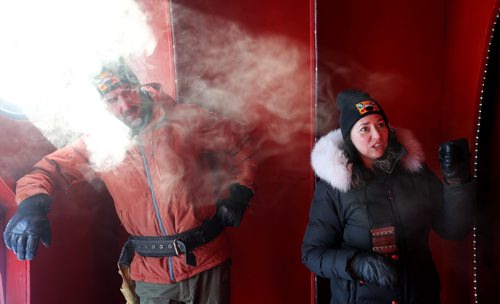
230 210
375 269
454 158
127 254
29 225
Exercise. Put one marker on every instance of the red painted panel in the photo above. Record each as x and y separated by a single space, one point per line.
158 66
415 57
256 59
423 60
2 258
393 51
15 275
468 31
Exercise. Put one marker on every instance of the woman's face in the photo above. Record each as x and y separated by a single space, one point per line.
370 135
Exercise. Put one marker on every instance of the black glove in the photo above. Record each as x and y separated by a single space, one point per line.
29 225
454 158
375 269
127 254
230 210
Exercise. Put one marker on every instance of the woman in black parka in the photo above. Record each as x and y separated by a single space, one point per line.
375 203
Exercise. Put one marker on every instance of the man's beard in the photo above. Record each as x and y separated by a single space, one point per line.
141 121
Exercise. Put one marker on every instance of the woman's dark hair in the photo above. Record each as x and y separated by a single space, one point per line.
360 173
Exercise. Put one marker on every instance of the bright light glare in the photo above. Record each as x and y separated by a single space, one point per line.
51 48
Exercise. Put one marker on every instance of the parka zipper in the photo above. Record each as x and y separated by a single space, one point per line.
399 226
155 204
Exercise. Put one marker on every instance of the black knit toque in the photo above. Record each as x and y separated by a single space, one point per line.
354 105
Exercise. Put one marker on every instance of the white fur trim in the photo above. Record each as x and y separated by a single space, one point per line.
329 162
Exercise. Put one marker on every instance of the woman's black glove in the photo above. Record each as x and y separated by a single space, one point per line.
29 225
230 210
454 158
376 269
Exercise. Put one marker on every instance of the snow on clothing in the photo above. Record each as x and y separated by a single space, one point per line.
409 196
187 156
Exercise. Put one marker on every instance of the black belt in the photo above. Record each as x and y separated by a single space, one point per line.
177 244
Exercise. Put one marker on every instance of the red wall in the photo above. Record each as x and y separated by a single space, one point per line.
276 106
419 58
14 274
394 51
468 32
423 60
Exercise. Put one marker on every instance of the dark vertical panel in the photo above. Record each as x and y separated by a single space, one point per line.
468 29
488 227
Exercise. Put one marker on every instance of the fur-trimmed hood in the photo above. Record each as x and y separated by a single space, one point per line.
329 162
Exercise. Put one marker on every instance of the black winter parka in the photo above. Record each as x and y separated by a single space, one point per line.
409 197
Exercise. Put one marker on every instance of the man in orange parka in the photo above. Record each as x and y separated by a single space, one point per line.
187 175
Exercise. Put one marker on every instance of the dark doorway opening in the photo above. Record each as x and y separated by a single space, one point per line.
488 227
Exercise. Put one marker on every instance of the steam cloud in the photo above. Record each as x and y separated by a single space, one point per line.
51 48
258 79
334 73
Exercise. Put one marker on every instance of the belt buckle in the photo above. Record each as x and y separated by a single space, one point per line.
176 246
179 246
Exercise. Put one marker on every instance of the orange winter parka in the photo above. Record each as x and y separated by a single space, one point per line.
174 171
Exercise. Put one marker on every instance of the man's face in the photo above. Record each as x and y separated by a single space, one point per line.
126 104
